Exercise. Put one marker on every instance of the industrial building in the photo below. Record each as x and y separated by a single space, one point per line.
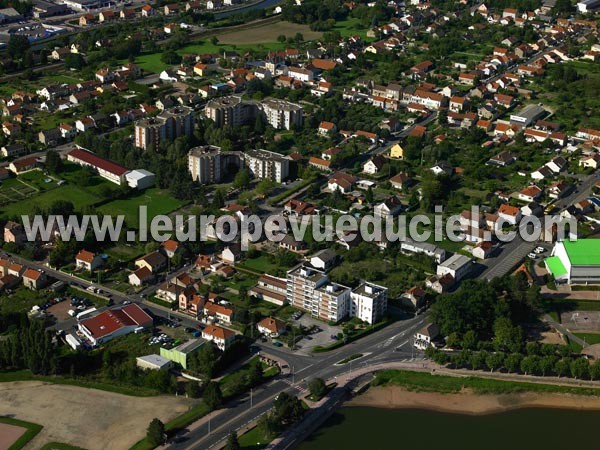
575 262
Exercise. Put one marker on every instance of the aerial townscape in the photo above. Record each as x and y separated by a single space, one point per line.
277 224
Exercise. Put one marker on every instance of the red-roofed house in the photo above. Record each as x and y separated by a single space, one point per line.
140 276
218 312
222 337
114 323
510 214
106 169
170 247
271 327
34 279
341 181
87 260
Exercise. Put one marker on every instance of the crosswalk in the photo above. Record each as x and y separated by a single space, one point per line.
297 387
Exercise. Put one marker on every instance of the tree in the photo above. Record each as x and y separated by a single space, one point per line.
214 40
75 61
207 360
281 38
469 340
369 195
255 372
219 199
579 368
213 397
242 179
476 361
561 367
232 442
192 389
547 364
494 361
317 387
595 370
529 365
54 162
513 362
156 432
18 44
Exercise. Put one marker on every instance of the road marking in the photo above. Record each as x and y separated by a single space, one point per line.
298 371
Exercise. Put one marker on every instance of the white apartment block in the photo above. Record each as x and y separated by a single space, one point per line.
166 127
264 164
310 290
281 114
369 302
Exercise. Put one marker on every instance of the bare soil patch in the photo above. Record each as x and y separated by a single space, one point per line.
89 418
9 435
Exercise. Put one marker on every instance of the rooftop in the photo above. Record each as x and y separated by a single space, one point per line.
583 252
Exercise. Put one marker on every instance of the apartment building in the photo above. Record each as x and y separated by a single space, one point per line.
264 164
229 111
310 290
166 127
369 302
281 114
208 164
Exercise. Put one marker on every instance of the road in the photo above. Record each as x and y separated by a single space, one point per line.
392 344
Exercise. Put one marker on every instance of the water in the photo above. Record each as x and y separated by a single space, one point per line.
364 428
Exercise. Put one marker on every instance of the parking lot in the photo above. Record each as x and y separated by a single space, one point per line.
322 337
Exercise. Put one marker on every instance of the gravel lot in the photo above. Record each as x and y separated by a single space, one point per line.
89 418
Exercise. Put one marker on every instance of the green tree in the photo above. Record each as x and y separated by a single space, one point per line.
595 370
494 361
561 367
18 44
476 361
213 397
207 360
54 162
317 387
512 362
232 442
242 179
156 432
255 372
192 389
469 340
529 365
547 364
579 368
218 199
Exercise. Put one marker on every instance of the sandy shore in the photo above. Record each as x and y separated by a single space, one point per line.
466 402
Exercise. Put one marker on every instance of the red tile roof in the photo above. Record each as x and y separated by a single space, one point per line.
96 161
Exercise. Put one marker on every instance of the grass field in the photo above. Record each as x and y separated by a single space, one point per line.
350 27
254 439
425 382
590 338
158 202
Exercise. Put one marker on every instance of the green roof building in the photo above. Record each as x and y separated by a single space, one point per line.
575 262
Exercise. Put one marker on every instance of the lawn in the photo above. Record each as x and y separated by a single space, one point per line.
254 439
21 300
590 338
425 382
32 430
158 202
262 264
351 26
151 62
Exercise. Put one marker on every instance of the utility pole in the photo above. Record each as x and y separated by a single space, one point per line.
250 398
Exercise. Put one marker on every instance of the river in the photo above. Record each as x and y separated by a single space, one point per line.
365 428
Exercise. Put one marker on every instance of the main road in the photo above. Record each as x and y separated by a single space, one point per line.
393 343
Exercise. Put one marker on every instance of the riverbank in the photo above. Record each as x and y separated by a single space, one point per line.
469 402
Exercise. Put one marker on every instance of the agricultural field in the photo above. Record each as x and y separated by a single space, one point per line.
268 34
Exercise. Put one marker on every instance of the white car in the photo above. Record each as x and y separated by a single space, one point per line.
532 256
539 250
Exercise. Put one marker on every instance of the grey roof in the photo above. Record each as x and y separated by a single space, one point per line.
156 360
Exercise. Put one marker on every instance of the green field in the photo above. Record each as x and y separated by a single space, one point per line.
158 202
590 338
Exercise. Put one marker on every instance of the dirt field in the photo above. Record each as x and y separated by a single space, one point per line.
89 418
469 403
269 33
9 434
581 320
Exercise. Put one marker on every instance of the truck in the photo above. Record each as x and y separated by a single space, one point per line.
85 313
71 312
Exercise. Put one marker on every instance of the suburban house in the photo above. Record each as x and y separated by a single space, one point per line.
426 335
400 181
87 260
170 247
222 337
271 327
414 297
154 261
14 232
510 214
217 312
374 165
34 279
341 181
113 323
140 276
